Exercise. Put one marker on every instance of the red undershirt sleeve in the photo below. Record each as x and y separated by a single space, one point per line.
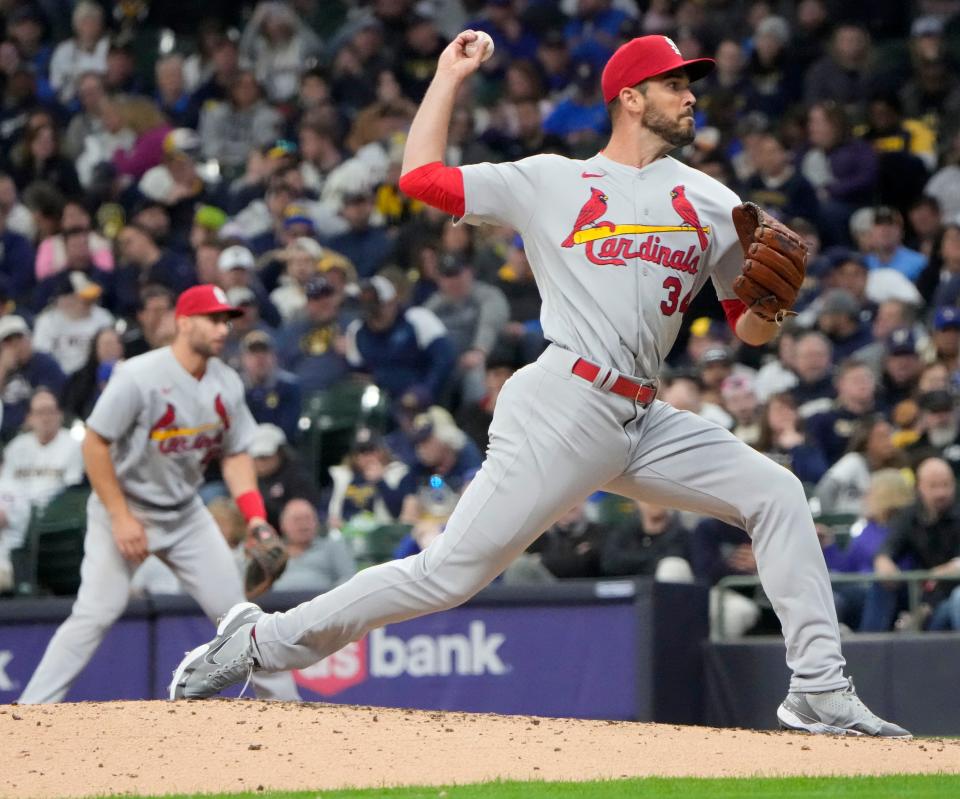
437 185
733 309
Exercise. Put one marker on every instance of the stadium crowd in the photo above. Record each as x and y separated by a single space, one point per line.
147 146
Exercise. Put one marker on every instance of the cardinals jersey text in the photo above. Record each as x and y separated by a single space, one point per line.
629 239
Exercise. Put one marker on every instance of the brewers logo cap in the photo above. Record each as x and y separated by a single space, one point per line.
646 57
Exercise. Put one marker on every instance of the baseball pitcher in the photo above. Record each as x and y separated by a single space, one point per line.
619 244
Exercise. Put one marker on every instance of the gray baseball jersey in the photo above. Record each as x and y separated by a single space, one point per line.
617 252
166 426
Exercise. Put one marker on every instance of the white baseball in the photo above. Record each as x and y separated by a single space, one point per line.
483 40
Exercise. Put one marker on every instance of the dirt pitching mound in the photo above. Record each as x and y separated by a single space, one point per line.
84 749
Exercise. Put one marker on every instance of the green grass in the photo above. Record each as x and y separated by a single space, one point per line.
897 787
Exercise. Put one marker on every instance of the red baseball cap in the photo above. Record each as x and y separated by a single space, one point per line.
205 299
646 57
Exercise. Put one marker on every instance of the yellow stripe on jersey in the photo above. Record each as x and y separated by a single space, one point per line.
603 232
163 435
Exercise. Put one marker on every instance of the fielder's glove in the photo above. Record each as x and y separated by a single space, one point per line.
775 261
266 559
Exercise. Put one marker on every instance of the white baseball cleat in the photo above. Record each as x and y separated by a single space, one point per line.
227 660
839 712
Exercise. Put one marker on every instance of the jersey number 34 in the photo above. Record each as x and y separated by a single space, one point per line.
672 303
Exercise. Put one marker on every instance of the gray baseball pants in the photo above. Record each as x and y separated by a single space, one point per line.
190 542
554 440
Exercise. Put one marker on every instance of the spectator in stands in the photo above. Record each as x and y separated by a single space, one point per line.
212 70
366 246
571 547
684 392
739 399
889 493
775 81
719 550
843 75
153 321
714 366
901 368
52 256
144 262
777 186
87 121
237 268
942 277
946 337
830 430
904 150
839 319
783 439
776 375
653 544
443 449
319 560
280 474
812 363
229 130
21 372
176 184
371 487
313 347
142 117
172 95
435 503
925 536
28 30
842 169
849 271
302 258
939 428
400 349
16 260
272 394
886 244
85 52
66 328
843 487
925 223
944 186
580 120
46 459
474 313
41 160
277 44
85 385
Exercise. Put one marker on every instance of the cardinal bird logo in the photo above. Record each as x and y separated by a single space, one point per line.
592 210
688 213
221 410
169 415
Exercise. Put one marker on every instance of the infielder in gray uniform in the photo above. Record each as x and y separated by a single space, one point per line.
161 419
619 244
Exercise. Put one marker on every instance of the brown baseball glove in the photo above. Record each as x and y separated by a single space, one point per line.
775 261
266 559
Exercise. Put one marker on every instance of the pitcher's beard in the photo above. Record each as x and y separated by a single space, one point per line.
672 131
